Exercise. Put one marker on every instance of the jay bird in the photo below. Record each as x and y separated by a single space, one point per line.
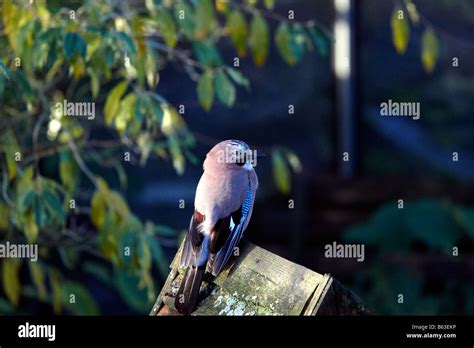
222 209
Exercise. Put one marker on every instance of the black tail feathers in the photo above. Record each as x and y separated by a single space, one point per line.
187 296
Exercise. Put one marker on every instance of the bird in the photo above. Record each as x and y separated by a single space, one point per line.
223 206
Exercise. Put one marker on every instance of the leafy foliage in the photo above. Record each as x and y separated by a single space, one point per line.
110 54
400 24
423 227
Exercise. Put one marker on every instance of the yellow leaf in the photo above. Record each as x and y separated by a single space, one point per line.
97 214
269 4
56 289
172 120
222 5
11 151
78 68
400 30
429 50
11 280
281 173
125 113
205 18
30 228
118 204
10 15
112 103
37 275
4 214
259 39
237 27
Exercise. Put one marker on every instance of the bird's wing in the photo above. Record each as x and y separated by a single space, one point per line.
227 233
193 240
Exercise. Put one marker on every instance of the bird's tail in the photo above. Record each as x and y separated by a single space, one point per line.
187 296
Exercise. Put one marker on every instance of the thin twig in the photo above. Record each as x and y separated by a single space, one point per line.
80 162
190 64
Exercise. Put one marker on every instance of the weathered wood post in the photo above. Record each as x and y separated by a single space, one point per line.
258 282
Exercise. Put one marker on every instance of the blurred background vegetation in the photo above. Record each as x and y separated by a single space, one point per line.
64 178
169 78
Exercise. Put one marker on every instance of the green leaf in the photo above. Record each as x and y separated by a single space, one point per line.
167 26
237 27
205 90
54 204
225 89
400 30
207 53
112 103
466 216
298 42
281 172
128 43
135 297
74 45
429 50
6 308
11 280
4 70
179 161
184 16
144 253
432 223
158 256
205 18
385 229
283 43
68 171
37 275
95 83
164 231
259 39
2 86
319 40
78 300
238 77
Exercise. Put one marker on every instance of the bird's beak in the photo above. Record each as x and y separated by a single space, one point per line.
260 154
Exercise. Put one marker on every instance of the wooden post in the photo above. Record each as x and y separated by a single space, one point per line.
258 282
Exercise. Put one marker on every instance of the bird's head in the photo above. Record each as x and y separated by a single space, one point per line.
232 154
